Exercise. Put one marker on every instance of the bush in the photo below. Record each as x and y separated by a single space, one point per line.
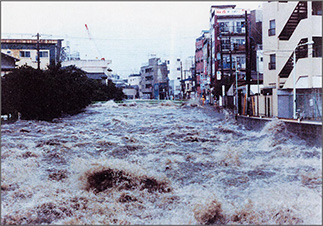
104 93
48 94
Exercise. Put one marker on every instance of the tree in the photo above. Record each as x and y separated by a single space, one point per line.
48 94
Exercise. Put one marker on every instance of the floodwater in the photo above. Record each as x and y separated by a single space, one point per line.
141 163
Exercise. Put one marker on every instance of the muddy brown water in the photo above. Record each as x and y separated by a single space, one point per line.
141 163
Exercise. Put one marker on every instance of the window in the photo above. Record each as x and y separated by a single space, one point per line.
272 62
225 44
24 53
8 51
43 54
317 47
149 78
178 59
316 8
148 70
178 69
239 44
240 25
272 28
224 26
302 50
261 59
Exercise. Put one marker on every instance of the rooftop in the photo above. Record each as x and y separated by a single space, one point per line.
223 6
31 41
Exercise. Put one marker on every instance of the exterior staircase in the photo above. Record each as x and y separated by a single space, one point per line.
301 52
299 13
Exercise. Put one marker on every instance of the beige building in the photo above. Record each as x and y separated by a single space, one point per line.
26 51
292 30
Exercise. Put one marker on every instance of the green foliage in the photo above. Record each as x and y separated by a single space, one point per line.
104 93
48 94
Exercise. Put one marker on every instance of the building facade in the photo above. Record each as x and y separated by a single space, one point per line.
228 48
175 75
202 62
134 82
187 81
154 80
26 51
94 69
292 45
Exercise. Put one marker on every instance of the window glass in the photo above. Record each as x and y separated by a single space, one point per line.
24 53
317 47
272 62
316 8
272 28
43 54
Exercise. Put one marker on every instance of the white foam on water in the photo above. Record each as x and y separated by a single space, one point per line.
156 163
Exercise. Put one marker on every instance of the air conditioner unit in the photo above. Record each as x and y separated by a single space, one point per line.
243 29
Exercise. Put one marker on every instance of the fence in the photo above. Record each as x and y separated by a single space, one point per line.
308 105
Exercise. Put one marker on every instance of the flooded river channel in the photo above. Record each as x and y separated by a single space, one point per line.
142 163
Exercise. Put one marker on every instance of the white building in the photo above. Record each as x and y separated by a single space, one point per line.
288 28
95 69
175 75
134 80
134 84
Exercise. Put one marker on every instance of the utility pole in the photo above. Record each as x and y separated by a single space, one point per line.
38 57
230 52
222 70
248 69
182 87
257 69
236 94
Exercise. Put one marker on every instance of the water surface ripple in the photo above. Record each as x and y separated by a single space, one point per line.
141 163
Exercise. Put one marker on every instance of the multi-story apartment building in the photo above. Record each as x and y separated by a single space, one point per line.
228 52
202 68
26 51
175 75
154 80
292 45
187 81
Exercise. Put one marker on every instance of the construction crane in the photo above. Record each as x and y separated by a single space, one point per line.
90 37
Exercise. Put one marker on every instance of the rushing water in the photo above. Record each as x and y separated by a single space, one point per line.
140 163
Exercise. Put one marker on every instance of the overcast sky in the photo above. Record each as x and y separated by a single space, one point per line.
125 32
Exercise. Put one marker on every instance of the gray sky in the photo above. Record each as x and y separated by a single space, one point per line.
125 32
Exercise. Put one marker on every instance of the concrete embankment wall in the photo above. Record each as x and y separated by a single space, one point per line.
310 132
